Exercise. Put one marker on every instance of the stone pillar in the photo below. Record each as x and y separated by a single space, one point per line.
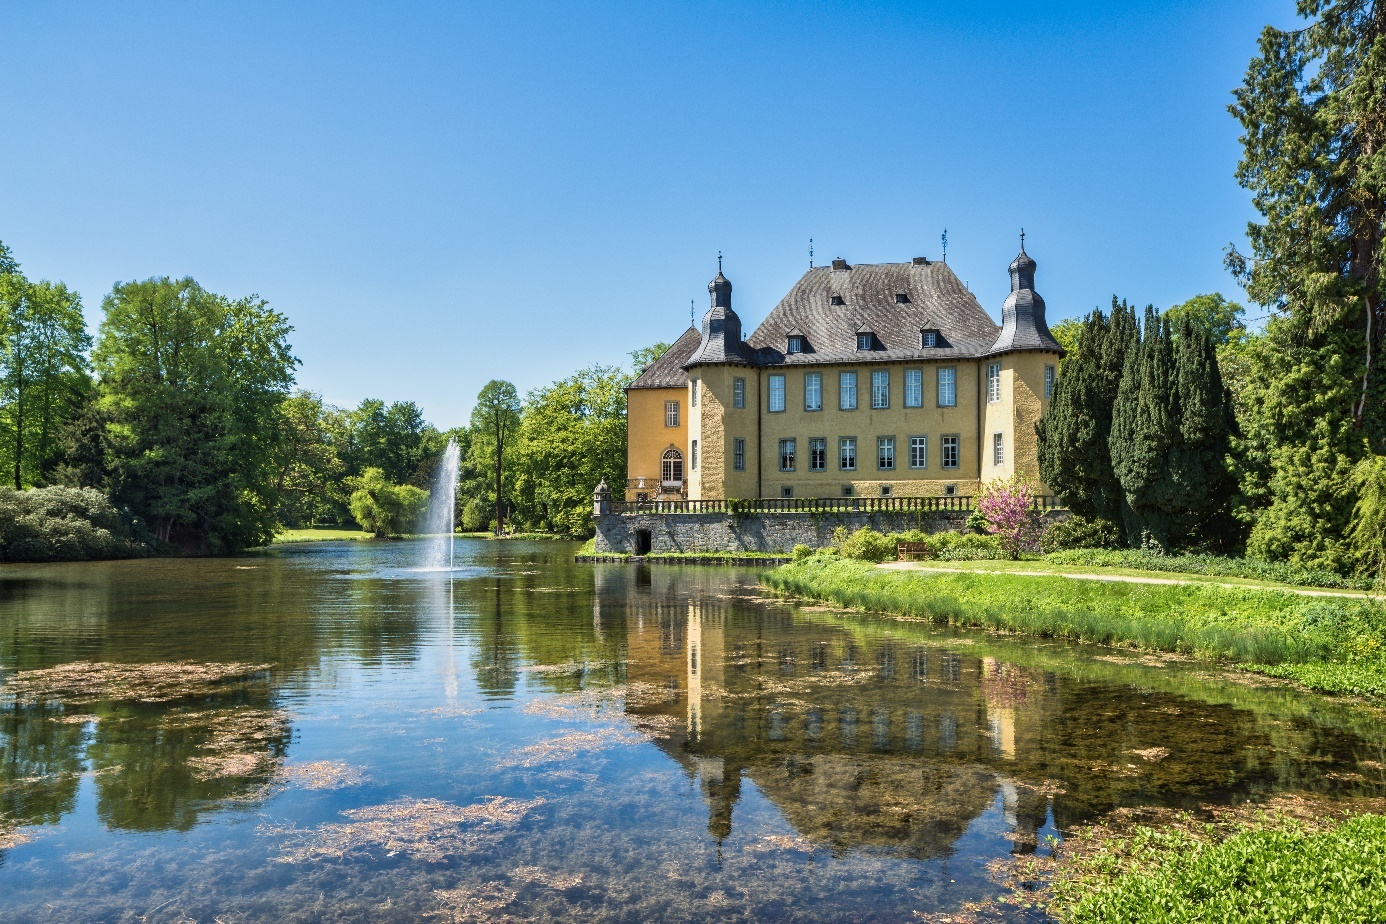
601 500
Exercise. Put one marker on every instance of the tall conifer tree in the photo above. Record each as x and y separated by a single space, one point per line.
1203 486
1144 428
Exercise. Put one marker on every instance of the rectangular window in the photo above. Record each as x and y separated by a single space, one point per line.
930 338
786 455
865 341
880 388
886 490
847 490
885 452
914 388
813 391
738 392
818 454
998 449
796 345
847 391
919 452
693 456
776 393
993 383
786 491
671 413
692 392
1048 382
949 457
948 387
847 453
739 455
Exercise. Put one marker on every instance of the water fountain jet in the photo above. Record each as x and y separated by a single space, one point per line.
440 520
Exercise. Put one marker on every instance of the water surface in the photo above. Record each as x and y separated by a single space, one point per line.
323 733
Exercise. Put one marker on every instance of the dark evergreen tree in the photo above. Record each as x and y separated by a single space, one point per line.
1203 485
1144 430
1075 456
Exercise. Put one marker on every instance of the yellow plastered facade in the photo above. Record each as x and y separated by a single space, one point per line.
716 425
647 438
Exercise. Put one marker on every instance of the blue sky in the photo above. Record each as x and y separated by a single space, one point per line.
438 194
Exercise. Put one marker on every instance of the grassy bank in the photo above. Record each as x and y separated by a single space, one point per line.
1334 645
314 534
1290 860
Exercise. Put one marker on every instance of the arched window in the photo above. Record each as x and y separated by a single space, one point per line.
671 469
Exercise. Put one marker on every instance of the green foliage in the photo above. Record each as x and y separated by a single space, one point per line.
1265 876
802 551
1069 333
1211 565
1213 316
1075 532
309 470
1369 518
383 508
1335 645
192 383
1314 157
65 524
642 358
1145 427
572 436
44 375
1075 456
495 420
977 522
866 544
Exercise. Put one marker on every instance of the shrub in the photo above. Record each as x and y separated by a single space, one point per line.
977 522
1077 532
386 509
802 551
868 545
66 524
1211 565
1009 508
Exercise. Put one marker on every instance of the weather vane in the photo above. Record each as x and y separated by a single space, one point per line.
810 253
1022 238
691 321
719 262
945 245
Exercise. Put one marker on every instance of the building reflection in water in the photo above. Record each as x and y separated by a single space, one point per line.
861 739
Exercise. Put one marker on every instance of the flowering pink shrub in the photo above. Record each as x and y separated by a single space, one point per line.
1009 508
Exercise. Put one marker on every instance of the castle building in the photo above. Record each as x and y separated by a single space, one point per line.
864 381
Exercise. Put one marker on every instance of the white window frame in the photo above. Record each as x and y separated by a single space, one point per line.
671 465
919 452
788 450
948 386
671 413
885 453
880 389
950 447
795 344
692 392
818 454
928 338
993 383
738 455
865 340
846 449
693 456
1050 377
847 391
813 391
776 395
998 449
738 392
914 388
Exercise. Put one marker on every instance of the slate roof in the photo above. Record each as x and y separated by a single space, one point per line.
667 370
1022 316
937 300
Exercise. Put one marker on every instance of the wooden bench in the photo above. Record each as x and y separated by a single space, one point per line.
914 551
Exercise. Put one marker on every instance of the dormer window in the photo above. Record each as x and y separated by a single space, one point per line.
928 338
796 344
901 298
836 300
865 340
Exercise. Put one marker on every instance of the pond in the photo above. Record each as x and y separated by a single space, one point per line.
320 732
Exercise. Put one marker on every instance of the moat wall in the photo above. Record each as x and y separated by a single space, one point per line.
755 532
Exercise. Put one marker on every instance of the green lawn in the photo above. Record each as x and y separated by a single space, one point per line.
1045 566
320 535
1335 644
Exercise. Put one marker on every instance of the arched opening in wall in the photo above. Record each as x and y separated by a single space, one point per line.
642 542
671 471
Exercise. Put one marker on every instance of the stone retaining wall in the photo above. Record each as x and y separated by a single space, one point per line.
755 532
